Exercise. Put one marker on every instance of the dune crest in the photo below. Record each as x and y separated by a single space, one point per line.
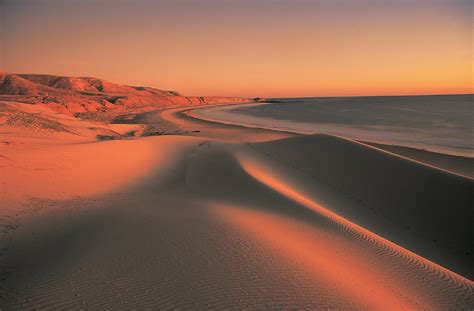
397 256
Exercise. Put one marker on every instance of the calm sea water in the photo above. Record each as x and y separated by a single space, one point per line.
441 123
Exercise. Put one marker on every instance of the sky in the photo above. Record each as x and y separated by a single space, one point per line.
266 48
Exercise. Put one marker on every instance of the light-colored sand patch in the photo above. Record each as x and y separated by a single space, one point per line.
84 169
324 255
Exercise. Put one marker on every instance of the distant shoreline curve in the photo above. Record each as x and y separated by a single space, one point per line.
410 152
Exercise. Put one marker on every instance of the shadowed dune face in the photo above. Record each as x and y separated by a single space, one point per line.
361 261
413 201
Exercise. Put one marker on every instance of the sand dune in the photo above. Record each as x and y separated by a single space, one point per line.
389 195
179 213
213 216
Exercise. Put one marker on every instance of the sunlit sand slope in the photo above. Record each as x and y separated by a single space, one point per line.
418 206
304 222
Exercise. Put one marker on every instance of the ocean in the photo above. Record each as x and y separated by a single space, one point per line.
440 123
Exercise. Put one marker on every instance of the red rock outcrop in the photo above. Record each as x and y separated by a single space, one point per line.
82 95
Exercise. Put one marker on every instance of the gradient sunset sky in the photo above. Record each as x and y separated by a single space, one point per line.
247 48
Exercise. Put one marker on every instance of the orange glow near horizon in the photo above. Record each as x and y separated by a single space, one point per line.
247 48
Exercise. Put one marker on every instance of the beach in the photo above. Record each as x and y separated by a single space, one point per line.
208 215
437 123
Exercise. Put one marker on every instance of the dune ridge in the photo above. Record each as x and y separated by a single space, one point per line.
277 184
389 194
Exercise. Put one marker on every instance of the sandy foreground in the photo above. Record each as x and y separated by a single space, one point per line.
223 216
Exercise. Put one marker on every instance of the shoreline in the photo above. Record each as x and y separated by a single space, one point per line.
454 164
200 113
